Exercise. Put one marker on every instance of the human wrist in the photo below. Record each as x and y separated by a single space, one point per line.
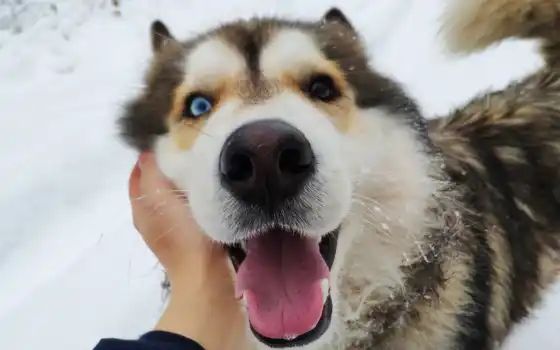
183 318
209 275
210 317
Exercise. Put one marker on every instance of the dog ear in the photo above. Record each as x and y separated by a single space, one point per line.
160 35
334 14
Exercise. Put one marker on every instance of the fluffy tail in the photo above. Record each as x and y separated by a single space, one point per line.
473 25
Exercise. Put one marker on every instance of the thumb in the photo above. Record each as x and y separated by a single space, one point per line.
154 184
134 183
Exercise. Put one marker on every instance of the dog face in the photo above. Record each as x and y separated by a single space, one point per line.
309 166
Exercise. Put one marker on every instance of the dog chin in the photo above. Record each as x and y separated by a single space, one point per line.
326 341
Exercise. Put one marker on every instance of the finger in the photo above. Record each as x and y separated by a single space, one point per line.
154 185
134 183
135 194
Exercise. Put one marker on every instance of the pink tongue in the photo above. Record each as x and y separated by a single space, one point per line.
281 279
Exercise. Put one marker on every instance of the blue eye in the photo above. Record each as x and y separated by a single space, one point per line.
197 105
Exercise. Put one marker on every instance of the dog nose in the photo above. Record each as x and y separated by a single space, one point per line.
266 162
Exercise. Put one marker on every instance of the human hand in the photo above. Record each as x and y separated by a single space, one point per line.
162 216
202 305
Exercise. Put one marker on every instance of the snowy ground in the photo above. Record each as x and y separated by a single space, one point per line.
70 260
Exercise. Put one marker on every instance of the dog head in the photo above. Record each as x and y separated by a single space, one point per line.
307 164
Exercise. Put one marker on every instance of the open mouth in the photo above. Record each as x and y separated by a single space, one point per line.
283 278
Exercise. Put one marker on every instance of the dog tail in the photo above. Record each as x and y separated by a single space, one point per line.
473 25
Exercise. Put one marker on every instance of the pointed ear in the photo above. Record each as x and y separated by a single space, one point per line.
334 14
160 35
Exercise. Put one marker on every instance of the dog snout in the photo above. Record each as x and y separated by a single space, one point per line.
266 162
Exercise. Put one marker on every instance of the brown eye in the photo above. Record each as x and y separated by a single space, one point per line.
322 87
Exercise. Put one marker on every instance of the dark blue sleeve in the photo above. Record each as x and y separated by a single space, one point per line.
154 340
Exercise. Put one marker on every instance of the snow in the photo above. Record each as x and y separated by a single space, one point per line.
73 268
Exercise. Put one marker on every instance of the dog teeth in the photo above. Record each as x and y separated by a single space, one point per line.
325 289
290 337
244 300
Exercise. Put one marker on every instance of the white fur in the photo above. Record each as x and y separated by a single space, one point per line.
288 52
209 201
212 60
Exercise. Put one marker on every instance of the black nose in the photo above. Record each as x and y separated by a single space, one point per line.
266 162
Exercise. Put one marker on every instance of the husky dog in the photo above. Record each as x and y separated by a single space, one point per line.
351 221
